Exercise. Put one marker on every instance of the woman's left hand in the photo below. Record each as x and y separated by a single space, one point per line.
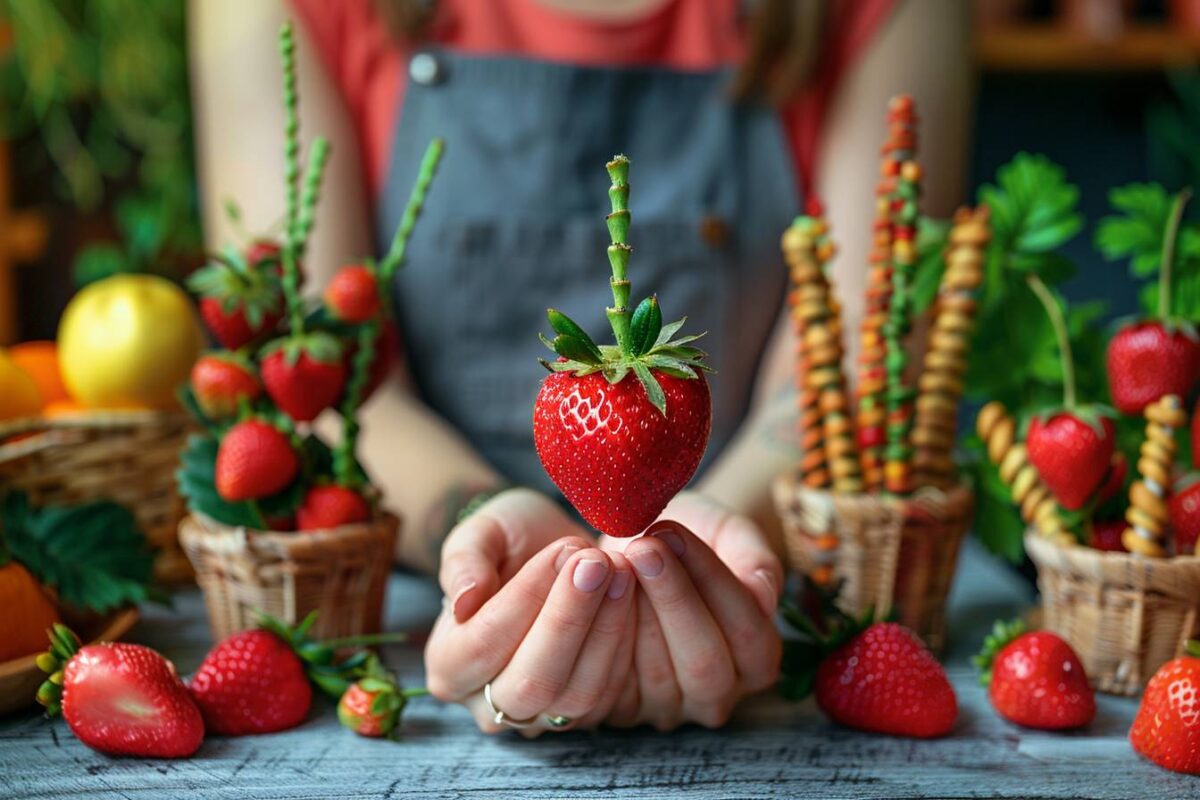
708 587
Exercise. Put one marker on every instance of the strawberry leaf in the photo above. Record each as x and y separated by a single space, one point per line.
654 392
1033 207
646 325
573 349
669 330
566 326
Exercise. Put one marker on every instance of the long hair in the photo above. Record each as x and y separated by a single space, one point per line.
783 38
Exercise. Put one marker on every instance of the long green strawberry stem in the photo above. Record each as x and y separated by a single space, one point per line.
345 471
618 251
394 258
1170 237
291 129
1059 323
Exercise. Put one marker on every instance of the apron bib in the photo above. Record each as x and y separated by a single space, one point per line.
515 224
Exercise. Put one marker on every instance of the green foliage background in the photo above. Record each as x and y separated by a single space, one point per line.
98 91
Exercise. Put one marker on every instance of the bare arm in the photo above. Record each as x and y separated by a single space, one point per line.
922 51
425 469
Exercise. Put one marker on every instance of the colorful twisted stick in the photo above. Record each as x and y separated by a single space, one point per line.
1147 514
826 426
941 384
872 376
998 431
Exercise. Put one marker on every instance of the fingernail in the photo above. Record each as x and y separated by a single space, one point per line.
647 562
563 555
673 540
620 582
589 574
771 598
458 596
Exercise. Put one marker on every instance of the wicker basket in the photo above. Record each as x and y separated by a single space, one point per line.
888 553
1125 615
341 572
129 457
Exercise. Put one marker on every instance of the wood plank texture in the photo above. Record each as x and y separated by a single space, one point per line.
770 750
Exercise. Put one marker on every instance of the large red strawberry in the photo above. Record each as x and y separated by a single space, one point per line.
1146 361
1035 679
353 294
1072 453
254 460
304 375
885 680
326 507
251 682
1184 507
1166 729
120 699
222 382
238 305
620 430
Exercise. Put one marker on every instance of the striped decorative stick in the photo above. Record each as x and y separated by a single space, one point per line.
828 427
1147 514
898 452
941 384
872 374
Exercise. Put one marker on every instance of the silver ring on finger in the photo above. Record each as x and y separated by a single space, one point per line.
498 716
558 721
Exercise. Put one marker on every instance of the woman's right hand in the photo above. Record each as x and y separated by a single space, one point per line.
534 608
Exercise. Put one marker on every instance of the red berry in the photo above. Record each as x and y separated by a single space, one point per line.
127 700
1071 456
1146 362
1166 729
1106 535
326 507
221 382
252 682
1184 507
229 325
305 386
371 707
885 680
353 294
254 460
1037 681
1196 435
614 456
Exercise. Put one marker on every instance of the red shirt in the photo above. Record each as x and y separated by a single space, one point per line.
368 66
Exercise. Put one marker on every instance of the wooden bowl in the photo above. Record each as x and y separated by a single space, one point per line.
20 677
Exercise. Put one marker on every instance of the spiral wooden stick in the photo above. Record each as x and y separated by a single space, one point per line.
1147 515
872 375
941 384
826 432
998 431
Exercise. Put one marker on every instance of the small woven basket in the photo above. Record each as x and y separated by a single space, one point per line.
1124 615
128 457
341 573
888 553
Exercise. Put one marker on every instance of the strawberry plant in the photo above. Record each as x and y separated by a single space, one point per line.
258 464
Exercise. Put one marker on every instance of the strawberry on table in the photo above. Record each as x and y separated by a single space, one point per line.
305 374
1035 679
372 705
120 699
222 382
1166 729
330 506
254 460
620 429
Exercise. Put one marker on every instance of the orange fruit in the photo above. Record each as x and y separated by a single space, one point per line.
19 395
28 613
40 360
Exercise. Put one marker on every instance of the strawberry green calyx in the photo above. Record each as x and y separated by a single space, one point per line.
235 286
377 707
318 345
321 664
1003 633
1192 648
64 644
643 344
804 651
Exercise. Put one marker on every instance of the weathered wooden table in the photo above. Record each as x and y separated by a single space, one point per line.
772 749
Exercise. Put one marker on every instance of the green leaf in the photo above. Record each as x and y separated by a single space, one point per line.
566 326
99 261
574 349
1136 234
669 330
932 236
92 554
1033 207
645 325
654 392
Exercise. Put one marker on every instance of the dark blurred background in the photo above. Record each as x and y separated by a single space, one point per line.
96 171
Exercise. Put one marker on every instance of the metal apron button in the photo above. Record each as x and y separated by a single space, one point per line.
426 69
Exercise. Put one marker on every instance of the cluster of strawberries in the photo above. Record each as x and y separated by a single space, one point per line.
127 699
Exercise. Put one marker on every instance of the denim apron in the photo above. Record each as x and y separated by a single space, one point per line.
515 224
